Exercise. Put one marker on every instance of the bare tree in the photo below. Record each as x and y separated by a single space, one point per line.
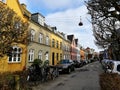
105 16
12 29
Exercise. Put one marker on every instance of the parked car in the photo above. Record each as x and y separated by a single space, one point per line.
66 65
104 63
77 63
113 66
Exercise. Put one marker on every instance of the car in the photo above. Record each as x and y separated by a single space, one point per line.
113 66
66 65
77 63
105 64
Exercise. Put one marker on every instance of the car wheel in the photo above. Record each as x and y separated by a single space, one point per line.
73 68
69 70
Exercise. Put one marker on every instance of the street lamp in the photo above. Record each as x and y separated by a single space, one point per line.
80 23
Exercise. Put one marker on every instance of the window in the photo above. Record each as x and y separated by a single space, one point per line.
118 67
60 56
57 45
57 56
47 40
15 55
53 43
40 55
32 35
40 38
60 45
41 20
46 56
31 55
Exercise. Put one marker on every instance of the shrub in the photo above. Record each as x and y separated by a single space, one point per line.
110 81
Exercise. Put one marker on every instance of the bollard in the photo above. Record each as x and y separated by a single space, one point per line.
17 86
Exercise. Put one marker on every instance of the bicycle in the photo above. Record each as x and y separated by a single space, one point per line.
55 72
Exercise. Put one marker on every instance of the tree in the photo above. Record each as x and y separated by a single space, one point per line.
105 8
12 29
105 16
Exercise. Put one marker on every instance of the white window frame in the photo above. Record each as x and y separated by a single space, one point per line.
32 37
40 38
40 53
15 55
47 40
31 55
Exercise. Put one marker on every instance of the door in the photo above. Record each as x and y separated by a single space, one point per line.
53 58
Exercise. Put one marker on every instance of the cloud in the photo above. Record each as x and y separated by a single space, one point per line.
67 22
52 5
55 4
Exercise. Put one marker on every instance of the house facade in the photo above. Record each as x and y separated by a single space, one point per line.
73 51
39 45
17 61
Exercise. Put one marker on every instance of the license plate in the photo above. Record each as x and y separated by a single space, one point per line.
60 69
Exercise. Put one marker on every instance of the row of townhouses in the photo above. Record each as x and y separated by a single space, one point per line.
46 42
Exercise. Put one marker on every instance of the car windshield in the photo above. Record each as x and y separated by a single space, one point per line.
64 61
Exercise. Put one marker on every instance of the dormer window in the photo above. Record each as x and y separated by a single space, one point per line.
38 18
41 20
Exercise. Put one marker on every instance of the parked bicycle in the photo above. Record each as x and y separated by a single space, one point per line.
54 72
42 73
35 72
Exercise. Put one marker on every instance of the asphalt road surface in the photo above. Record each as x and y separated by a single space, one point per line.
84 78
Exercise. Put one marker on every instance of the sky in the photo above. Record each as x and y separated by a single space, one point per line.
66 15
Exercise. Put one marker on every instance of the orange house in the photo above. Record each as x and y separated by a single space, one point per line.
82 54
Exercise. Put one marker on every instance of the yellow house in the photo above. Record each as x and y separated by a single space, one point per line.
56 52
17 61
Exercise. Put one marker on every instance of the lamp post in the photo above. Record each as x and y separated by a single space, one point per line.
80 23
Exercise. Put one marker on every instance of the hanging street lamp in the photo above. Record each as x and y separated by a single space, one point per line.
80 23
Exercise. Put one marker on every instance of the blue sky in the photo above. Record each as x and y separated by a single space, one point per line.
65 15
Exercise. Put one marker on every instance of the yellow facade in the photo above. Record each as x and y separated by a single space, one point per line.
55 52
5 65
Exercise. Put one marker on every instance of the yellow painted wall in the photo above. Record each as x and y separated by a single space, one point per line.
54 49
11 67
5 66
15 5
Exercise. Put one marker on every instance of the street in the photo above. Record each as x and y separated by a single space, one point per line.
84 78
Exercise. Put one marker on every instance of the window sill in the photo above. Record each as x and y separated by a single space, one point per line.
14 62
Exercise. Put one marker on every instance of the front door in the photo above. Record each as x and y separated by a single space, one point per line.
53 58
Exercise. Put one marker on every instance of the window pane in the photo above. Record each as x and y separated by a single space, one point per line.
10 59
18 58
14 58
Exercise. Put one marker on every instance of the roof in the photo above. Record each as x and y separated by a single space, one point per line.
25 11
76 41
38 14
70 37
